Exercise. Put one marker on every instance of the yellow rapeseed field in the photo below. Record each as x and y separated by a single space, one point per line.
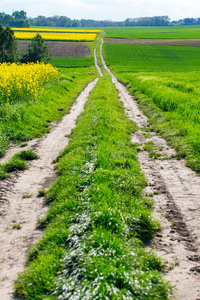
58 30
22 82
57 36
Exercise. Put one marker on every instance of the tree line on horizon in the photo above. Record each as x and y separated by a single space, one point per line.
19 19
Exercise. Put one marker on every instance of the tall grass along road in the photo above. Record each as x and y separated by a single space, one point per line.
165 80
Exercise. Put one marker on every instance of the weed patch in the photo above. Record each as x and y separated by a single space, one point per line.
152 149
17 163
16 226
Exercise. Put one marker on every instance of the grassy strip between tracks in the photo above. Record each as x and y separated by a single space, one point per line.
98 222
25 120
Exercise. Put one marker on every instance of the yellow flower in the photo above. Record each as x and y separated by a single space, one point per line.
22 82
57 36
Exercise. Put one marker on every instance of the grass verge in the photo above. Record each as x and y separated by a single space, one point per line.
24 121
98 222
179 126
166 85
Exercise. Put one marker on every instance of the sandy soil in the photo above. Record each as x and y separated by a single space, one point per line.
15 208
166 42
175 190
96 62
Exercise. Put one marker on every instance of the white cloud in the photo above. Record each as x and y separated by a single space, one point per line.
104 9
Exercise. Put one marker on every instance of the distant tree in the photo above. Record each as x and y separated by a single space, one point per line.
148 21
55 20
76 23
20 19
22 23
37 51
64 22
40 21
8 20
19 15
189 21
51 21
8 45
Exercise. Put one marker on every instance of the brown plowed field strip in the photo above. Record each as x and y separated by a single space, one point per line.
61 49
164 42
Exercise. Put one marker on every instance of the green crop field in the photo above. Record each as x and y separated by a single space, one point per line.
176 32
141 58
72 62
165 79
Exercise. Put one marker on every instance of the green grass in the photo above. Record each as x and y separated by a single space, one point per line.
17 163
144 58
152 149
21 122
171 101
27 195
16 226
41 193
165 82
98 222
72 62
174 32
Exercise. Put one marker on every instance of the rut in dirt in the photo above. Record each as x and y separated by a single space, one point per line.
175 190
17 209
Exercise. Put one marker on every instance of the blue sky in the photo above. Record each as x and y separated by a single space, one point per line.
117 10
